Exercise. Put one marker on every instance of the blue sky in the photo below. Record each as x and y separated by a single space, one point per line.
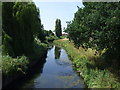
50 11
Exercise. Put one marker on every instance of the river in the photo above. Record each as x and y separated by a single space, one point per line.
57 72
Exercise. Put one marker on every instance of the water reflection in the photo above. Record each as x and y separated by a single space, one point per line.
28 81
57 52
50 46
57 72
61 57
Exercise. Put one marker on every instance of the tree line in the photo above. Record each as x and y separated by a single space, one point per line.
96 26
21 26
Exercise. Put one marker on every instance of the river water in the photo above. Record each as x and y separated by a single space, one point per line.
57 72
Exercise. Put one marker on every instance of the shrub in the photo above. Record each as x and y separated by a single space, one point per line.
11 65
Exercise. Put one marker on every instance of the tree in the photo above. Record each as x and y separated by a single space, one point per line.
21 25
97 26
58 29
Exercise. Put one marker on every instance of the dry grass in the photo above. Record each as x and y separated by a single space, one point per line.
90 54
89 66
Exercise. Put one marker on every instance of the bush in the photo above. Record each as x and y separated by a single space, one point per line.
11 65
39 49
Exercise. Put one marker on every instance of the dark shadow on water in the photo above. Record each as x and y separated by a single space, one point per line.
33 72
57 52
50 46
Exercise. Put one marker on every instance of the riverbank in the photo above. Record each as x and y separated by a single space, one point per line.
15 69
94 74
56 72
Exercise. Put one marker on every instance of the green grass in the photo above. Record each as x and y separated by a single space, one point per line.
93 76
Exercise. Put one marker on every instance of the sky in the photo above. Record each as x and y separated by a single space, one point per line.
50 11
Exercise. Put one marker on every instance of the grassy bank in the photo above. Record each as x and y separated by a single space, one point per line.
14 68
94 75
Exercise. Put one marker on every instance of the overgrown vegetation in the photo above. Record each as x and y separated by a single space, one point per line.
49 36
11 65
14 65
21 25
96 26
22 38
95 76
94 31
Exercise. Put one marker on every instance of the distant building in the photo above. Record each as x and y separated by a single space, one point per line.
65 34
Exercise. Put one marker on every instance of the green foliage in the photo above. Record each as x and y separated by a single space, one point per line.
97 26
21 22
58 29
49 36
41 34
21 26
6 48
93 76
14 65
39 48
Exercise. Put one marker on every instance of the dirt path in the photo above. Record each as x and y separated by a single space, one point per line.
65 39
